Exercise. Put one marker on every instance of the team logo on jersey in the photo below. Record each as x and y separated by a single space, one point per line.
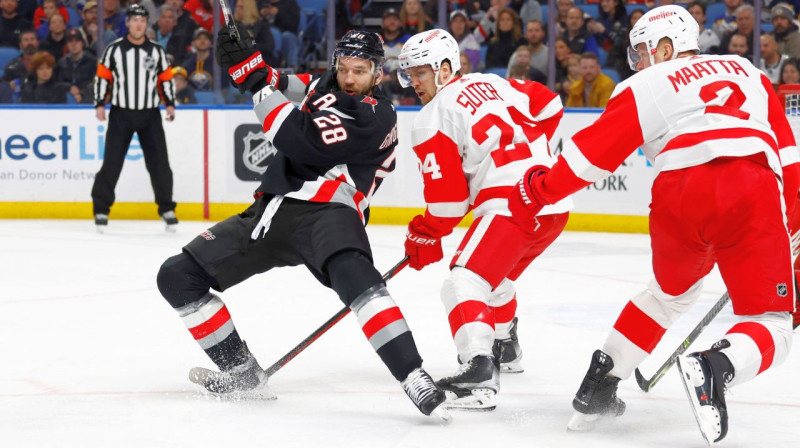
208 235
783 291
252 152
149 64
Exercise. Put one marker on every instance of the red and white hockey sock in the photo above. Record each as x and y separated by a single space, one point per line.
387 331
210 323
472 321
503 302
758 343
642 323
633 338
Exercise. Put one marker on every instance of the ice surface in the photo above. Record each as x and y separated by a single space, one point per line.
92 356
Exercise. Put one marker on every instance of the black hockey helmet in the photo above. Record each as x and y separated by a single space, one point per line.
136 9
360 44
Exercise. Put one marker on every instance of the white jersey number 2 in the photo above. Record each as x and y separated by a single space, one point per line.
508 151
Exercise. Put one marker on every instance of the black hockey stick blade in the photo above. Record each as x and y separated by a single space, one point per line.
326 326
646 384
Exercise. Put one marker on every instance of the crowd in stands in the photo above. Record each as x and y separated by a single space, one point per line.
509 38
54 43
49 48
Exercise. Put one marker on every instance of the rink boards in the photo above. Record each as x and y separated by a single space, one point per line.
49 157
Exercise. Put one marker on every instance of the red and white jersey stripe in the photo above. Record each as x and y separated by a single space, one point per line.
682 113
476 139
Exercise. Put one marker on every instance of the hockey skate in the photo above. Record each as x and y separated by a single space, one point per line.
510 351
244 381
704 375
425 394
597 395
170 220
474 386
101 222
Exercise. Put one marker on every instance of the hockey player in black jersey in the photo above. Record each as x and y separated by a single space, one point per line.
310 209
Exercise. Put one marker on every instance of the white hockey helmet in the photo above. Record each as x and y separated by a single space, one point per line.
428 48
670 21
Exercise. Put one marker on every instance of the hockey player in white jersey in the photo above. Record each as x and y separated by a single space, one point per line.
726 179
474 137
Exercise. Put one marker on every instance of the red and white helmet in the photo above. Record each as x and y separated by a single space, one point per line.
428 48
670 21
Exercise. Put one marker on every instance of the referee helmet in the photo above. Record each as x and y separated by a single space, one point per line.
136 9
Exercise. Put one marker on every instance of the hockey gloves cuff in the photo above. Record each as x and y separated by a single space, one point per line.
422 248
525 202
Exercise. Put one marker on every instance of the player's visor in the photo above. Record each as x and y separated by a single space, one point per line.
638 58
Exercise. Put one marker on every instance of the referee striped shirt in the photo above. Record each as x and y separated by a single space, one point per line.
136 77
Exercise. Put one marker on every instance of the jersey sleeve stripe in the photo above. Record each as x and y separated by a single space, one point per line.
449 209
490 193
104 72
789 155
580 165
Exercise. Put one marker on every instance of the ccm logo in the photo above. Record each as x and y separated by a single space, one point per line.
247 67
421 240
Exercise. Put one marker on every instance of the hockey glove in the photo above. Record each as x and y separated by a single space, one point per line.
244 63
422 248
524 202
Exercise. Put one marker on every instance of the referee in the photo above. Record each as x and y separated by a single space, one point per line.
135 74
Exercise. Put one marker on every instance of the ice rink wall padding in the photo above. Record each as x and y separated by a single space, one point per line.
49 156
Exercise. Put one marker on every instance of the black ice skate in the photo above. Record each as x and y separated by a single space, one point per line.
474 386
170 220
101 222
510 351
704 375
597 395
246 380
425 394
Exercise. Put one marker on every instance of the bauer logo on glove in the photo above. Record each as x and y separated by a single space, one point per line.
422 240
240 72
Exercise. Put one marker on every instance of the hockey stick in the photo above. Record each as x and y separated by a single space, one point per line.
646 385
226 13
326 326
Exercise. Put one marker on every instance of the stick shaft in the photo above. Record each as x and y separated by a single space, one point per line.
645 384
327 325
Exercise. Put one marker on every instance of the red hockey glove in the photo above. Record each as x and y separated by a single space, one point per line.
524 202
422 248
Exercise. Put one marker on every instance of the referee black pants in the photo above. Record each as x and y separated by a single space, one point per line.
122 123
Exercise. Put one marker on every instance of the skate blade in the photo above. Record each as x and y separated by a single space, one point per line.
706 416
202 376
442 413
480 400
171 228
580 422
511 367
101 229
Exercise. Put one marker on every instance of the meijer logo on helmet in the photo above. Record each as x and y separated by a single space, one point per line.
662 15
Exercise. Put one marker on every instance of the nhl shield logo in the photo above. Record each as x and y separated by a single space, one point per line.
149 64
257 151
782 290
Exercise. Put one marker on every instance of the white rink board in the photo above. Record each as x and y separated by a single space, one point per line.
52 155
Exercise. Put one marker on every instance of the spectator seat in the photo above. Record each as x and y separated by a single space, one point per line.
592 9
499 71
714 12
7 54
611 73
204 97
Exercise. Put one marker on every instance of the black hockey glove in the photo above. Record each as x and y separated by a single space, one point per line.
244 63
327 82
